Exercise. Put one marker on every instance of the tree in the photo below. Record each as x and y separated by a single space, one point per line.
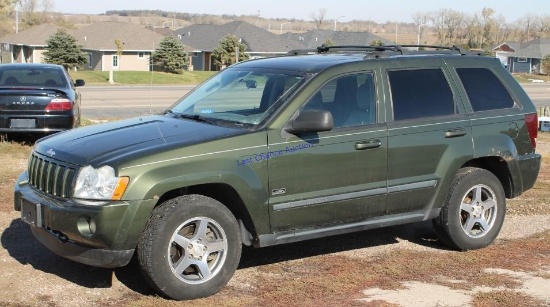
225 54
545 64
62 49
319 17
170 55
329 42
420 21
6 8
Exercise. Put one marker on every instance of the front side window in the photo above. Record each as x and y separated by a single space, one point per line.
238 96
350 99
115 60
484 89
420 93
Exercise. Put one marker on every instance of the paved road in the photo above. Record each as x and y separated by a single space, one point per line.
103 102
107 102
539 93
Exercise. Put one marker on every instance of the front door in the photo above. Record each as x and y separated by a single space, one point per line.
332 177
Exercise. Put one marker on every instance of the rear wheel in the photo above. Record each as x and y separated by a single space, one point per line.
474 210
190 248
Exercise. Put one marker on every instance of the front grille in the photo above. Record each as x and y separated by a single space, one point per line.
51 176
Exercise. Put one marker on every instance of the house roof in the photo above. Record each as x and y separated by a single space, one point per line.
99 36
102 35
536 49
507 46
207 37
35 36
315 38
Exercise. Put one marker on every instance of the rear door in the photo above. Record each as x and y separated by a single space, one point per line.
429 137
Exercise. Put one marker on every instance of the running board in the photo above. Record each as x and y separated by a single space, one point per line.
332 230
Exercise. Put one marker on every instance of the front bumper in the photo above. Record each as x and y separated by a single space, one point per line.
104 235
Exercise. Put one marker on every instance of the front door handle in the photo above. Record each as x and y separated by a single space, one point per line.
453 133
370 144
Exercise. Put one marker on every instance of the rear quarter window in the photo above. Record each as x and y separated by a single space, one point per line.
485 91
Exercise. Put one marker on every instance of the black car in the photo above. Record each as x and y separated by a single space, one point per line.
38 98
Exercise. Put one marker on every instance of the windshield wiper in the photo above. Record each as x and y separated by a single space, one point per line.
195 117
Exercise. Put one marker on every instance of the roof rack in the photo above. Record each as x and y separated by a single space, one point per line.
402 49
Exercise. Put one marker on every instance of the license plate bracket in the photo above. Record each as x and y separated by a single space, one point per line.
31 213
22 123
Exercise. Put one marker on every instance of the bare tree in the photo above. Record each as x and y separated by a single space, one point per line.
7 6
421 20
319 17
48 6
488 26
527 23
502 30
474 31
448 24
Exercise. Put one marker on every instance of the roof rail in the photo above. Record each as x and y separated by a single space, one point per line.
324 48
402 49
301 51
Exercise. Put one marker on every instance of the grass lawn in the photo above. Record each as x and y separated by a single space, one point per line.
141 77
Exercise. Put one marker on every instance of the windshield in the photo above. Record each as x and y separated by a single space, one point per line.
238 96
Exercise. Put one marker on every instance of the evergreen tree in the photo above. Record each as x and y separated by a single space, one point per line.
226 52
170 55
63 50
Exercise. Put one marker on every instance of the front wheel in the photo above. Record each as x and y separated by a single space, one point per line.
190 247
474 210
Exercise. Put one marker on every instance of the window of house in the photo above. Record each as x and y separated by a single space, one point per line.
420 93
141 55
115 60
522 60
484 89
89 60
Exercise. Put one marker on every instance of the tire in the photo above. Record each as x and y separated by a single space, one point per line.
473 212
190 247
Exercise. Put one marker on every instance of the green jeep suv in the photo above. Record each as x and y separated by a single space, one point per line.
270 151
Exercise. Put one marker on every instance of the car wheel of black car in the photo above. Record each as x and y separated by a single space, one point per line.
190 247
473 212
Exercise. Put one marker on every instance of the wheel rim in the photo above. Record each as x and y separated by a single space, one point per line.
197 250
478 211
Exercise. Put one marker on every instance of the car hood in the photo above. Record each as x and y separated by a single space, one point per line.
124 140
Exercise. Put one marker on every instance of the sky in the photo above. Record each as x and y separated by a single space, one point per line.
378 11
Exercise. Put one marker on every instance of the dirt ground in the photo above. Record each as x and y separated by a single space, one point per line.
397 266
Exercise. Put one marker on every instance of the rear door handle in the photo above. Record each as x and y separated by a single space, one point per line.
370 144
453 133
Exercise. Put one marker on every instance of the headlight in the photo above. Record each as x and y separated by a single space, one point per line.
99 184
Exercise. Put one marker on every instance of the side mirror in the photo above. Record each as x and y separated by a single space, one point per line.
311 121
79 82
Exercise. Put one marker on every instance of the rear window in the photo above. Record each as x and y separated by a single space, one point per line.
33 77
484 89
420 93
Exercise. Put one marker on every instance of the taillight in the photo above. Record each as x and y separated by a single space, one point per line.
532 122
60 104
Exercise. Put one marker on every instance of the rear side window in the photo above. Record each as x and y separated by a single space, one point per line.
420 93
484 89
